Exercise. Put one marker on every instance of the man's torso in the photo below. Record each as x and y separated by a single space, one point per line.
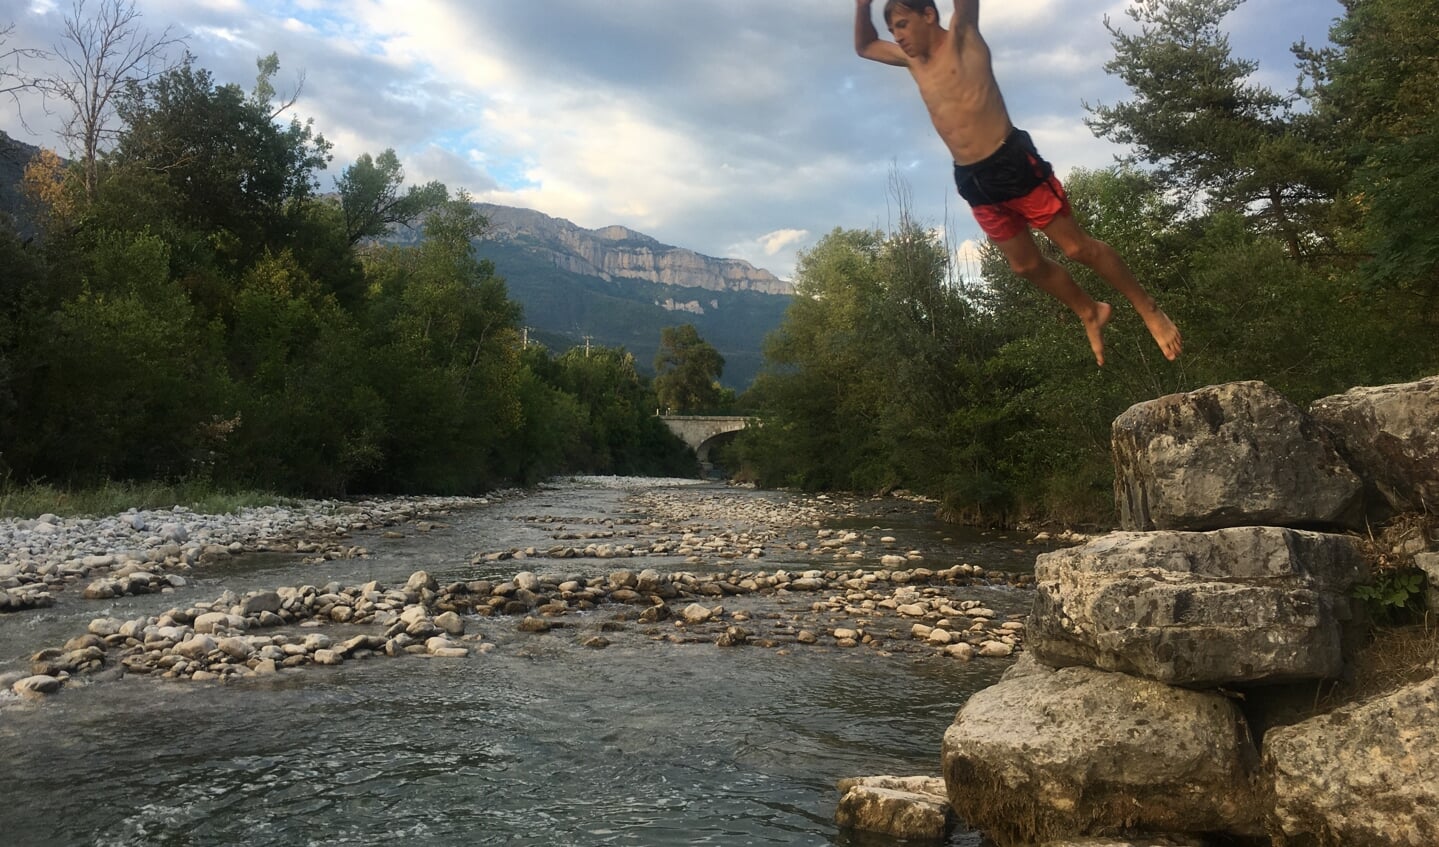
957 83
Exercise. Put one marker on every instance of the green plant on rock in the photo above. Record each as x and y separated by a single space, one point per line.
1394 596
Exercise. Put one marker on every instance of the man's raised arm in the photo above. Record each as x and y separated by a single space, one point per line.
867 42
966 14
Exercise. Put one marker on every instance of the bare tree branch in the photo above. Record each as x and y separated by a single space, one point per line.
14 81
102 53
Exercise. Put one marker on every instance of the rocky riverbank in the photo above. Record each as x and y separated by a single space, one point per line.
142 552
861 591
1170 687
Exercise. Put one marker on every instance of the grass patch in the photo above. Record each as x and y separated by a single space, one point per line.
33 500
1394 658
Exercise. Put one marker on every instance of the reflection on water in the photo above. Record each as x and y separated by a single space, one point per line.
541 742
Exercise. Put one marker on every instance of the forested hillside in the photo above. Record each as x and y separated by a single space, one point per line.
1290 235
190 306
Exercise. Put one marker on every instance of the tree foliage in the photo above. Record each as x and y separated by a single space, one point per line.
687 372
200 311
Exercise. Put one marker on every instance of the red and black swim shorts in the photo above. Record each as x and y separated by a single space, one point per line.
1012 189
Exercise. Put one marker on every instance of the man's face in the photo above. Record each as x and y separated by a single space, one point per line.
912 31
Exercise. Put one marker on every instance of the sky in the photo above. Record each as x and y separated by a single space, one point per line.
736 128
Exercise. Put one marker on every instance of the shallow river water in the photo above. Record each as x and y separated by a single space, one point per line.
540 742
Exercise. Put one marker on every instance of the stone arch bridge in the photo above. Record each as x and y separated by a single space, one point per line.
702 432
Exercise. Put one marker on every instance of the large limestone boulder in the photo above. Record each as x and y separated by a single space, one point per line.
1045 754
1199 609
1364 774
1390 436
1238 454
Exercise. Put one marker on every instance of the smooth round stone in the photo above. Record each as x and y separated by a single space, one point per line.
37 686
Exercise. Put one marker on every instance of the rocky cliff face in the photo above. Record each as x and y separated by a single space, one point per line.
616 252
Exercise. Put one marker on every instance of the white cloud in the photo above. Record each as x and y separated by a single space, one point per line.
778 240
731 127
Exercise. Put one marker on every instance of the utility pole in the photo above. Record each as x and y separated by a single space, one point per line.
588 338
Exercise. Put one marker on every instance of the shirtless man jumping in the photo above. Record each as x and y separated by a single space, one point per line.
997 168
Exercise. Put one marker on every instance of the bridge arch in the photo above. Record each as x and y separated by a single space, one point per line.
702 432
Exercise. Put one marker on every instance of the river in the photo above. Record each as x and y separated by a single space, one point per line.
541 741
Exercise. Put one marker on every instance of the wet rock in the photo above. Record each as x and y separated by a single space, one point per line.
451 623
37 686
213 622
733 636
264 601
913 809
696 614
535 625
1047 753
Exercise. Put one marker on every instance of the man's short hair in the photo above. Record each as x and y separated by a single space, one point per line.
916 6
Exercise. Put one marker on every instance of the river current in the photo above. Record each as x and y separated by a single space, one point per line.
540 742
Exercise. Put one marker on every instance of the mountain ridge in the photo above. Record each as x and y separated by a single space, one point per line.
618 252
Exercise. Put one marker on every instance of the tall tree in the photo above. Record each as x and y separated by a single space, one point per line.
237 175
687 370
1214 135
372 201
1374 96
103 49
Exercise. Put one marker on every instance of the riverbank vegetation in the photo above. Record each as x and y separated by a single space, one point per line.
186 305
1289 234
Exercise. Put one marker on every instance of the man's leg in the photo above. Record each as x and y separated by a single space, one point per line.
1051 277
1084 248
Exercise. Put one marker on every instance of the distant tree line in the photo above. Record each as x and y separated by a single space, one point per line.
195 307
1291 236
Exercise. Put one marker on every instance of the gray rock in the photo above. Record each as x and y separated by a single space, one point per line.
196 648
37 686
451 623
918 818
175 533
237 648
1364 774
1238 454
526 581
212 622
1429 564
421 580
694 613
1390 435
263 601
1239 605
1045 754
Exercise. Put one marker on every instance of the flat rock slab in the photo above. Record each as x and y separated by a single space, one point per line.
1047 754
1390 436
1364 774
1199 609
1238 454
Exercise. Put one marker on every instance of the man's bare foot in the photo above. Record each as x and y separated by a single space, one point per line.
1094 328
1165 333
